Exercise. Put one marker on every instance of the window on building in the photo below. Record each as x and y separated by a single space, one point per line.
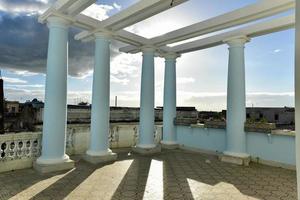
261 116
13 109
276 117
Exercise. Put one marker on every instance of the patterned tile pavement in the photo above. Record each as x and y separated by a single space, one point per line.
173 174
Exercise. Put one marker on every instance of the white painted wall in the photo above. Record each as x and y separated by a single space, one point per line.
277 149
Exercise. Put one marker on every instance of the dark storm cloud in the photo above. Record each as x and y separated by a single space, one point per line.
24 41
23 46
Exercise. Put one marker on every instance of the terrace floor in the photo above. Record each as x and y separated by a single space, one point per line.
172 174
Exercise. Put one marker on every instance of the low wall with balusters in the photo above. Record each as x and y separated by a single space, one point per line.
19 150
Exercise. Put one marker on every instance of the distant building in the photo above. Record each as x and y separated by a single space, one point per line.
12 107
204 116
279 116
35 103
283 117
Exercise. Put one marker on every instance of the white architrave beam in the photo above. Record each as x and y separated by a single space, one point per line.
126 35
66 9
141 10
138 12
237 17
79 6
121 35
88 23
251 31
63 5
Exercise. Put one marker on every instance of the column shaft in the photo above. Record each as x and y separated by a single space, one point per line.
55 110
236 98
99 144
169 112
146 133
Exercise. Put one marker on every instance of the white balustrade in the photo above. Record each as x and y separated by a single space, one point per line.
19 150
22 149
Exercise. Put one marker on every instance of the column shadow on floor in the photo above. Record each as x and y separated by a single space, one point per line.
184 174
13 183
65 185
134 182
196 173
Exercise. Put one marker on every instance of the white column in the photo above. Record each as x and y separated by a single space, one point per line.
169 108
146 128
99 145
55 110
297 94
236 98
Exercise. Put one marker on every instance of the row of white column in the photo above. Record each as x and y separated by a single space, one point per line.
55 111
146 144
54 127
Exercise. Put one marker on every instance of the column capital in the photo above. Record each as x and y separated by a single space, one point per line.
171 56
148 49
103 36
237 41
58 22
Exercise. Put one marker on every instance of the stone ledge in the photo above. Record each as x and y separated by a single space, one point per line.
43 168
146 151
280 132
110 157
169 146
273 163
245 160
10 165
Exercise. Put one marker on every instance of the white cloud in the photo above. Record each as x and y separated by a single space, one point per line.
117 6
99 12
114 79
25 86
125 64
291 94
23 73
23 6
154 27
162 23
23 94
185 80
82 75
74 97
217 101
277 50
13 80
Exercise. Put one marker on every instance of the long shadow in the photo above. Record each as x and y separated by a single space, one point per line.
65 185
14 182
209 176
134 182
175 184
184 173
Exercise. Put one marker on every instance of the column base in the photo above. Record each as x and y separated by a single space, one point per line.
169 145
55 167
236 158
147 149
100 157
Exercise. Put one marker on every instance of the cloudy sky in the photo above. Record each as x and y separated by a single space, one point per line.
201 76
